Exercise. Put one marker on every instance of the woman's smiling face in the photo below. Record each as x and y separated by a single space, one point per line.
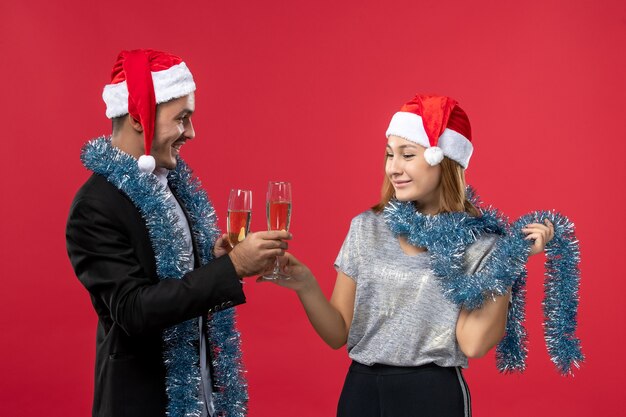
413 179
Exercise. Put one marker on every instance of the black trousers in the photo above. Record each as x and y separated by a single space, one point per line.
391 391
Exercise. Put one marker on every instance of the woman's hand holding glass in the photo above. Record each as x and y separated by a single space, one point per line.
300 279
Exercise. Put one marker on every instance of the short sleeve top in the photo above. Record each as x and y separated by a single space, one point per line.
401 316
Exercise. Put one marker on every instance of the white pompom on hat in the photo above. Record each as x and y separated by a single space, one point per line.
436 123
141 79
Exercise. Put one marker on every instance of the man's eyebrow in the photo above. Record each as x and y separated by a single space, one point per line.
188 111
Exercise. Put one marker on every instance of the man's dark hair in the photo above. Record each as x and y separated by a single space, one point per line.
117 122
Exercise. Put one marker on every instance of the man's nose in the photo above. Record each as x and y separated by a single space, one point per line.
189 132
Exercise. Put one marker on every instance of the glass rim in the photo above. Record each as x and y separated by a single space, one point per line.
240 199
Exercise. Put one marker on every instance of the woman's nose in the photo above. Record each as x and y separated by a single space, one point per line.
394 166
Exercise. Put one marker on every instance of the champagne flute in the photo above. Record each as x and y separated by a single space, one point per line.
239 215
278 216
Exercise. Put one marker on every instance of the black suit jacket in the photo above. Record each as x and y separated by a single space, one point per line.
110 250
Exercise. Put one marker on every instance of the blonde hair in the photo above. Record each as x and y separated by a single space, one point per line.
451 190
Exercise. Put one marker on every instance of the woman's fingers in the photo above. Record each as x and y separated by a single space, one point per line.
545 230
551 229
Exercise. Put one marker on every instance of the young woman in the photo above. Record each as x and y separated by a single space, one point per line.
407 339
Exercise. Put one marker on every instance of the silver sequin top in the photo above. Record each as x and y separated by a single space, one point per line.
401 317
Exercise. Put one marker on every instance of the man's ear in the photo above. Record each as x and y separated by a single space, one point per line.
135 124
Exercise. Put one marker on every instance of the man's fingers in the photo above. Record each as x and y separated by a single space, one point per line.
260 250
275 235
275 252
272 244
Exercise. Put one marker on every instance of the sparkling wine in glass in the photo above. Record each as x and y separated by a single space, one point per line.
278 213
239 215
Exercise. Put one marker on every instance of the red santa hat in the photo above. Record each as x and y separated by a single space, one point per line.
436 123
141 79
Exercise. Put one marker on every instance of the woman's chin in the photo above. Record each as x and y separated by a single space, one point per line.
400 196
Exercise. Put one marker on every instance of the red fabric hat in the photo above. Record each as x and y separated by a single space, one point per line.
140 80
436 123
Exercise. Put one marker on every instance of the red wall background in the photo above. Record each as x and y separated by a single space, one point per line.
303 91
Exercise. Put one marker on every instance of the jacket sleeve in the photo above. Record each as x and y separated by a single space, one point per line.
107 264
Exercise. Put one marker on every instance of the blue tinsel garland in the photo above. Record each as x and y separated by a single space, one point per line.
180 348
447 236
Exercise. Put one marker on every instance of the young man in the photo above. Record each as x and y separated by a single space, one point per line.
142 239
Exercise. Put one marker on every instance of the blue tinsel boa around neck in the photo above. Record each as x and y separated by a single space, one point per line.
447 236
181 356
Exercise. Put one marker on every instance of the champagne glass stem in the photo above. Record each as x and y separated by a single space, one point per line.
276 270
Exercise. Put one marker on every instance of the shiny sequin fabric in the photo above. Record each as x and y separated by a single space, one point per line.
401 316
